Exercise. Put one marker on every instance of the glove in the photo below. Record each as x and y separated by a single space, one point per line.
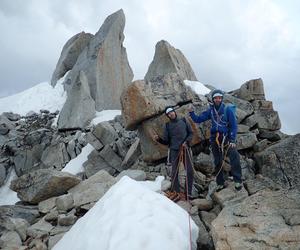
232 145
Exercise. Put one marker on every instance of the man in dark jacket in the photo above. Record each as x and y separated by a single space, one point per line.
223 137
178 135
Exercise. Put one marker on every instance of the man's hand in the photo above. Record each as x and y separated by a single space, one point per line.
185 144
232 145
155 137
190 108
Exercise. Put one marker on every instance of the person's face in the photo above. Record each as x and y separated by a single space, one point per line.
217 100
172 115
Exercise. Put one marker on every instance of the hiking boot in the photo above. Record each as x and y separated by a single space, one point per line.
238 186
219 188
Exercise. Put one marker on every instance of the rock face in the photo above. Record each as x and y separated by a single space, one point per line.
281 161
104 64
70 52
265 220
79 107
166 60
42 184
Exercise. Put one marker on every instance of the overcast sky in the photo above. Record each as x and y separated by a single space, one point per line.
227 42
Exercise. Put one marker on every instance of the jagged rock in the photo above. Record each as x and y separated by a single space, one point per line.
204 240
248 167
267 119
261 145
280 162
92 189
71 149
105 133
265 220
250 121
121 148
11 116
70 52
28 213
202 204
79 107
42 184
132 155
66 219
28 160
255 185
39 229
204 163
252 90
91 139
229 195
18 225
272 136
5 125
10 240
38 136
64 202
55 156
54 239
45 206
59 230
146 99
138 175
51 216
107 72
207 218
2 174
95 163
262 105
166 60
246 140
243 128
111 158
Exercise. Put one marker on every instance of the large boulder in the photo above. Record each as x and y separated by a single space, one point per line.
42 184
28 160
267 119
70 52
252 90
106 70
79 107
145 99
280 162
265 220
91 190
55 156
166 60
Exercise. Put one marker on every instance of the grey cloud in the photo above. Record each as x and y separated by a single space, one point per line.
226 42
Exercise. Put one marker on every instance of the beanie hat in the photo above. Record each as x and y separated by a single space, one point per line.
169 109
217 92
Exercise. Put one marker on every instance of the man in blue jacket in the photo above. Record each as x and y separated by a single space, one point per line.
223 137
178 136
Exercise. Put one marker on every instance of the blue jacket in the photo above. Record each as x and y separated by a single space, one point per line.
220 123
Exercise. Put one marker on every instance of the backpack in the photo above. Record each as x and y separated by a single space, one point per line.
229 107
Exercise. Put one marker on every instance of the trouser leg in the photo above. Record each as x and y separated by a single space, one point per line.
236 170
174 158
218 158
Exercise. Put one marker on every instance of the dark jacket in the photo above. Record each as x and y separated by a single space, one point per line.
220 123
177 132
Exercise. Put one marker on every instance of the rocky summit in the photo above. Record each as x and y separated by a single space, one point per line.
264 214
